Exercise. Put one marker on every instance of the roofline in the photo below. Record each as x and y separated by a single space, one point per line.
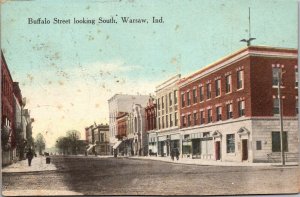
248 50
5 63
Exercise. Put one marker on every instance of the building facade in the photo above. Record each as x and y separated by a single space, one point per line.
97 139
121 103
167 136
8 139
150 119
229 110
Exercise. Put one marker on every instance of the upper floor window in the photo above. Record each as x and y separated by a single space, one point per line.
228 83
188 98
175 96
167 121
183 121
275 106
241 107
218 87
171 121
240 79
297 110
229 110
296 77
208 90
176 119
159 123
202 117
194 96
163 122
158 104
275 76
162 103
201 93
166 102
209 116
195 118
170 98
189 120
182 100
219 113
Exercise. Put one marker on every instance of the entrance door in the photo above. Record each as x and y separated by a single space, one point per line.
218 150
244 150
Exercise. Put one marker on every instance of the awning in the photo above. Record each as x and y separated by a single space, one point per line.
91 146
117 144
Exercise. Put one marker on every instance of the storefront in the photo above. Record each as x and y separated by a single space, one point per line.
152 144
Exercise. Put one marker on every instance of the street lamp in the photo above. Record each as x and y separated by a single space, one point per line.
280 73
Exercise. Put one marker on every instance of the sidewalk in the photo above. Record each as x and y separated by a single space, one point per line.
210 162
37 164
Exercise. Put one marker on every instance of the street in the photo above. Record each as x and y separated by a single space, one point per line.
125 176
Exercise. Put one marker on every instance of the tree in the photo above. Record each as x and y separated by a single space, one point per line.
40 143
62 143
73 137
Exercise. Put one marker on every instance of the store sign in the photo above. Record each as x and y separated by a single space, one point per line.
175 137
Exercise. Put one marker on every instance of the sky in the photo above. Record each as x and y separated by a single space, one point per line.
67 72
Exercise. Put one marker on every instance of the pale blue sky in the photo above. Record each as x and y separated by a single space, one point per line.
76 68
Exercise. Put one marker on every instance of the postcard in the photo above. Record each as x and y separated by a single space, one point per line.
136 97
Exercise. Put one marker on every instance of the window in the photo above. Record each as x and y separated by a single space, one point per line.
229 110
240 79
275 72
296 77
171 121
275 106
188 98
158 123
276 144
208 91
228 83
183 121
176 119
182 100
163 122
297 110
230 142
175 96
194 96
162 103
158 104
167 121
170 99
189 120
209 116
241 107
258 145
201 93
166 103
195 118
202 117
219 113
218 87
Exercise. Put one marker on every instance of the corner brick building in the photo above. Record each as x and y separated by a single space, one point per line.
229 110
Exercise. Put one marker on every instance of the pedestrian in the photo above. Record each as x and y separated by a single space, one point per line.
29 156
172 154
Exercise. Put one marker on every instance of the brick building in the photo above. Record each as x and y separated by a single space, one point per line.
150 118
8 139
229 109
97 139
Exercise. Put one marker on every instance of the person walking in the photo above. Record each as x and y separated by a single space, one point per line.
29 156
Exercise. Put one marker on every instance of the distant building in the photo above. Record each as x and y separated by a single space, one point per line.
150 119
167 136
97 139
121 103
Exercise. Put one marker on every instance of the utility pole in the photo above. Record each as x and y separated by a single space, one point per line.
280 117
248 41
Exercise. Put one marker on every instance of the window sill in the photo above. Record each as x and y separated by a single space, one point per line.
240 89
231 154
218 96
228 93
276 86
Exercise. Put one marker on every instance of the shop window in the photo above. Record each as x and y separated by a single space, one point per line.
276 144
230 142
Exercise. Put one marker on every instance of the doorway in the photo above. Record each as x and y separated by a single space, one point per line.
244 150
218 150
